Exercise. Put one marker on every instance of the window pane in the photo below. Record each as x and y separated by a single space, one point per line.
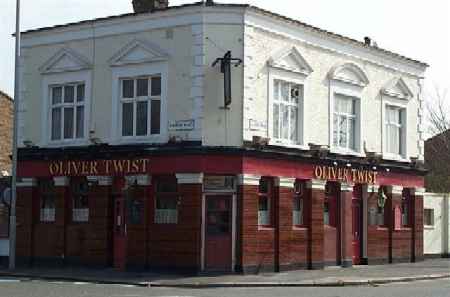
142 87
285 122
294 123
128 88
285 91
80 93
142 118
276 121
69 94
68 123
56 123
276 90
156 86
335 130
80 121
127 119
56 95
295 94
156 117
352 134
342 124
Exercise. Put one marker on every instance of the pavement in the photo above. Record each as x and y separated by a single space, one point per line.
330 277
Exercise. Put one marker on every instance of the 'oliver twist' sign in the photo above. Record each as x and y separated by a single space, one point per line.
98 167
348 175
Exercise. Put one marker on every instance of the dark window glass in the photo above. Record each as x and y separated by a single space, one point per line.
69 94
142 118
142 87
127 119
56 95
128 88
156 86
80 121
156 117
80 93
68 123
56 123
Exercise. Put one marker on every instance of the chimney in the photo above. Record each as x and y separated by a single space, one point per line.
140 6
367 41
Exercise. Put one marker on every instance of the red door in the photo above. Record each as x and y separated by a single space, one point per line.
218 233
120 228
356 230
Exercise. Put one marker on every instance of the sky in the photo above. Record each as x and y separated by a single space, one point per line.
415 28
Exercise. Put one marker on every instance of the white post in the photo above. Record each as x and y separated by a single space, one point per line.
12 219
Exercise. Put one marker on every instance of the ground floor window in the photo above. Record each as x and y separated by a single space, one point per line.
298 211
47 203
80 200
167 201
264 202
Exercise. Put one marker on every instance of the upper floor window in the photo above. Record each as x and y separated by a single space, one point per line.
67 111
140 105
287 98
395 130
345 119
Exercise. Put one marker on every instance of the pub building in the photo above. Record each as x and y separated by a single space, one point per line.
216 137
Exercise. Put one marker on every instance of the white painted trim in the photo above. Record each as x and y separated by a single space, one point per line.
48 80
346 187
419 191
156 54
407 93
316 184
101 180
248 180
390 101
61 181
290 77
305 67
132 71
347 90
141 180
396 190
26 182
189 178
285 182
373 188
352 67
80 62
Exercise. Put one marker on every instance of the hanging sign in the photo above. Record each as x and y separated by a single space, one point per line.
348 175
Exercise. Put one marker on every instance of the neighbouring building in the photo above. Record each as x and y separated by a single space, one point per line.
437 160
436 225
6 110
131 157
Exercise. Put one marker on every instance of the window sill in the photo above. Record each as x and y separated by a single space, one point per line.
381 228
299 228
404 229
265 228
397 158
77 142
346 152
429 227
289 145
145 139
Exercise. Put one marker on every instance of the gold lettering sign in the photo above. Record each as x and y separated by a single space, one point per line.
98 167
346 174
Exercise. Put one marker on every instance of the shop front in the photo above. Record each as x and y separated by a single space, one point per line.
215 210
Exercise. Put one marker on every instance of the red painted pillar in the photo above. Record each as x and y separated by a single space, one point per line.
346 234
316 195
26 194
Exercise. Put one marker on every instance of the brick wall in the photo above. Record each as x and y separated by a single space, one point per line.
6 130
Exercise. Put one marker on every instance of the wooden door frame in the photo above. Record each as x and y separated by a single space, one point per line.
233 228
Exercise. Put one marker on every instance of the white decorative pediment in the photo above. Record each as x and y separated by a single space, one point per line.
398 88
349 73
137 52
291 60
65 60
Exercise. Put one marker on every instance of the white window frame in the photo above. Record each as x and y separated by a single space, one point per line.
120 73
57 79
355 92
292 78
401 105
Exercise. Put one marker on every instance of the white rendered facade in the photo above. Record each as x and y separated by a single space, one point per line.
181 44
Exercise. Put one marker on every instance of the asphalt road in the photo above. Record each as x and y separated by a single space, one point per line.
27 288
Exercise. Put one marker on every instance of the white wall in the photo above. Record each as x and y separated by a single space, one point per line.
436 238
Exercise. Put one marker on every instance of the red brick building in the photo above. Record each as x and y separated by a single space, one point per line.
130 157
